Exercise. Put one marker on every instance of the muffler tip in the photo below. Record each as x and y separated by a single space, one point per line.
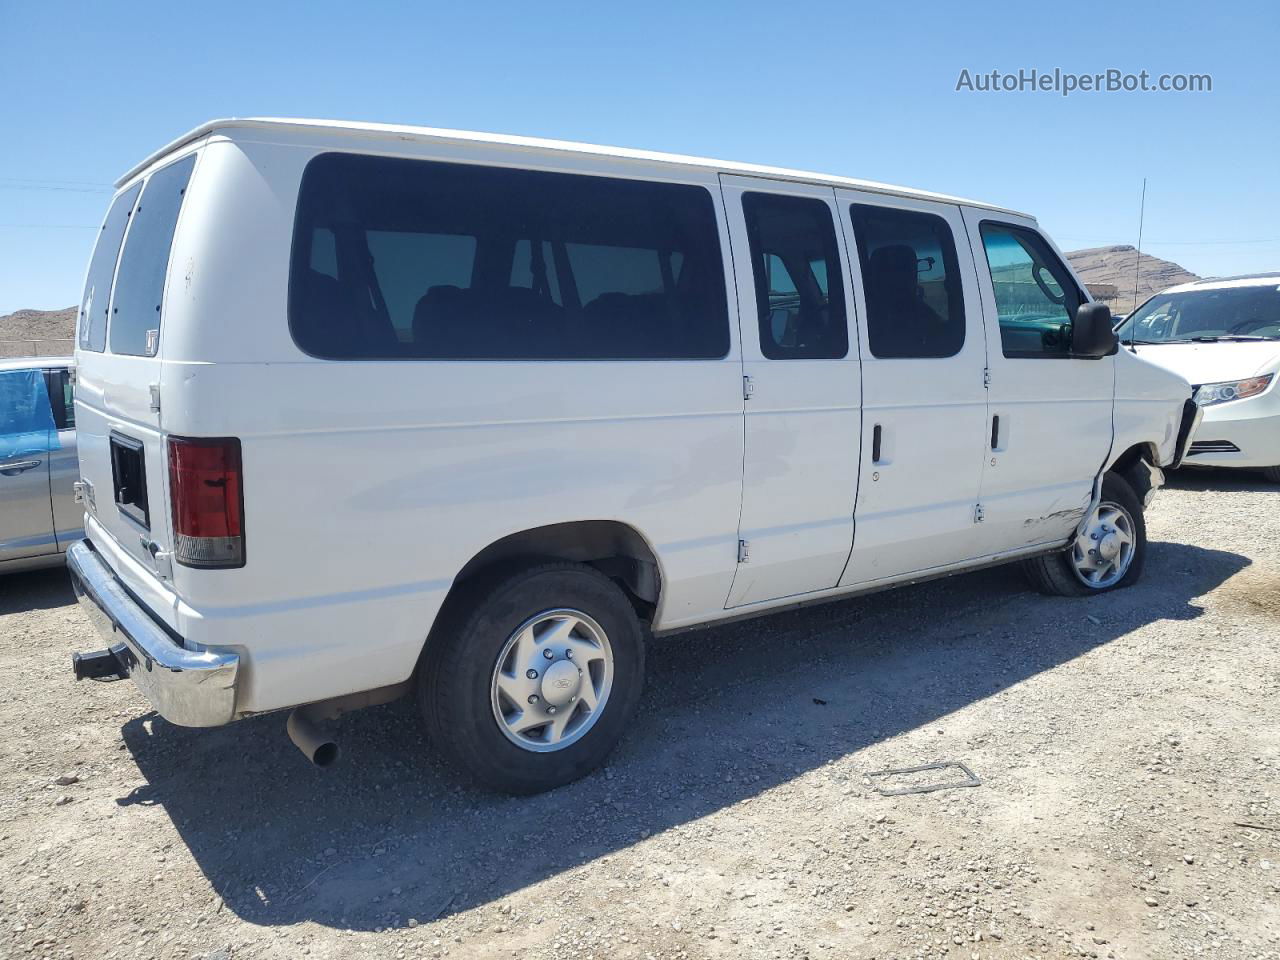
325 754
312 738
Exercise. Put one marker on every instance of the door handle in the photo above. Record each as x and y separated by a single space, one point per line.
18 466
995 432
876 435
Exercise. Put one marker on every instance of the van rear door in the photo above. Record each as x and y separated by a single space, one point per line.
118 417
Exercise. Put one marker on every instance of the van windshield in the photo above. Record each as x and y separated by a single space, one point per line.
1205 316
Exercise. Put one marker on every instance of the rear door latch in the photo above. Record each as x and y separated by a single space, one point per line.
163 559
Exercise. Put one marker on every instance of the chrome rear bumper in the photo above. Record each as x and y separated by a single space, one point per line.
192 688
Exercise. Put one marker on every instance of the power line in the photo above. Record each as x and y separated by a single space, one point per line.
1180 243
53 187
1198 243
77 183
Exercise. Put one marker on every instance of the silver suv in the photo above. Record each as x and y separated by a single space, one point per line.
38 517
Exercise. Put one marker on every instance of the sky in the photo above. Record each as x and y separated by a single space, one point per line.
861 90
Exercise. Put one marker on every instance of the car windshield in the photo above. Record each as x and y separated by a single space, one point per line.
1227 313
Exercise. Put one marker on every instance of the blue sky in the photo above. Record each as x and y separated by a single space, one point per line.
865 91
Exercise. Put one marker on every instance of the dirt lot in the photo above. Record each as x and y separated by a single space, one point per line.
1128 747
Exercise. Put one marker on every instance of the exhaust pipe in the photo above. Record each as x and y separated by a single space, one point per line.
311 726
312 736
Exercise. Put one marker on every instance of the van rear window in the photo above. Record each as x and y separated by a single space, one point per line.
96 303
134 326
409 259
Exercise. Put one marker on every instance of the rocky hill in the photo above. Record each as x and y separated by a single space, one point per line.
1114 266
38 333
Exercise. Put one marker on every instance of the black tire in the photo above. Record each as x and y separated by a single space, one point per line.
1272 473
454 681
1055 573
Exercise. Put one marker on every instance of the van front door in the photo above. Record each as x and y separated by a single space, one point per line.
1049 430
803 389
924 400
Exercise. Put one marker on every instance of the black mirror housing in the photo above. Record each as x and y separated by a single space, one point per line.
1093 336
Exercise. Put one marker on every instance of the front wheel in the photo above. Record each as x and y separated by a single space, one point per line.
1108 553
535 678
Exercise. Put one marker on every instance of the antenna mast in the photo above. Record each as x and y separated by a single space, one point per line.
1137 262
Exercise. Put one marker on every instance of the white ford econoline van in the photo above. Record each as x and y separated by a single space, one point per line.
368 409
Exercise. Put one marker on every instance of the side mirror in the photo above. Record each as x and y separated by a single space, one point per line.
1093 336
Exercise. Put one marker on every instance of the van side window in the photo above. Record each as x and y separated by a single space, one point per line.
404 260
134 326
462 262
915 307
96 302
1036 299
324 252
528 271
799 291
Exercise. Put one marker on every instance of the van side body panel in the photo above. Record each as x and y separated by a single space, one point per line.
369 484
1143 412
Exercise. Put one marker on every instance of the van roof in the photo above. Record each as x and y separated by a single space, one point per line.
401 132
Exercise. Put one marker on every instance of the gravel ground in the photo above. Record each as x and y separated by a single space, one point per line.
1128 748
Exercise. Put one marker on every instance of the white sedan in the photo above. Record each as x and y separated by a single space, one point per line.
1224 337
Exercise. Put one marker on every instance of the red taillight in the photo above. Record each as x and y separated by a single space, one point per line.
208 501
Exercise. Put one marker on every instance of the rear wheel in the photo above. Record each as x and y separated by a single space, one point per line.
535 678
1272 473
1107 554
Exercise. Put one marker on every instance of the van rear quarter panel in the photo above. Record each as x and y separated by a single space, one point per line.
368 485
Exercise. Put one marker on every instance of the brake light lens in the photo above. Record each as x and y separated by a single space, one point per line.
205 487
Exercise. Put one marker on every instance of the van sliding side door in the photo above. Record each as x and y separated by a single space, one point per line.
803 387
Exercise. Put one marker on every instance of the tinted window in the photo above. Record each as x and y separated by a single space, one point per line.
1036 299
61 397
95 304
409 259
404 261
796 263
139 291
912 282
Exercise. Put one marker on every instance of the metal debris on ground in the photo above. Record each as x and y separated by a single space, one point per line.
885 791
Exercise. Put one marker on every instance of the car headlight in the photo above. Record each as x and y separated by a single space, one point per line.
1211 393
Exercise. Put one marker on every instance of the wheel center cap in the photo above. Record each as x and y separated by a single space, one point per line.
560 683
1109 547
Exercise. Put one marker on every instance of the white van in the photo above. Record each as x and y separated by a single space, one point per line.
367 410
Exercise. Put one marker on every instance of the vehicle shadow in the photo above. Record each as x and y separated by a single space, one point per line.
35 590
390 834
